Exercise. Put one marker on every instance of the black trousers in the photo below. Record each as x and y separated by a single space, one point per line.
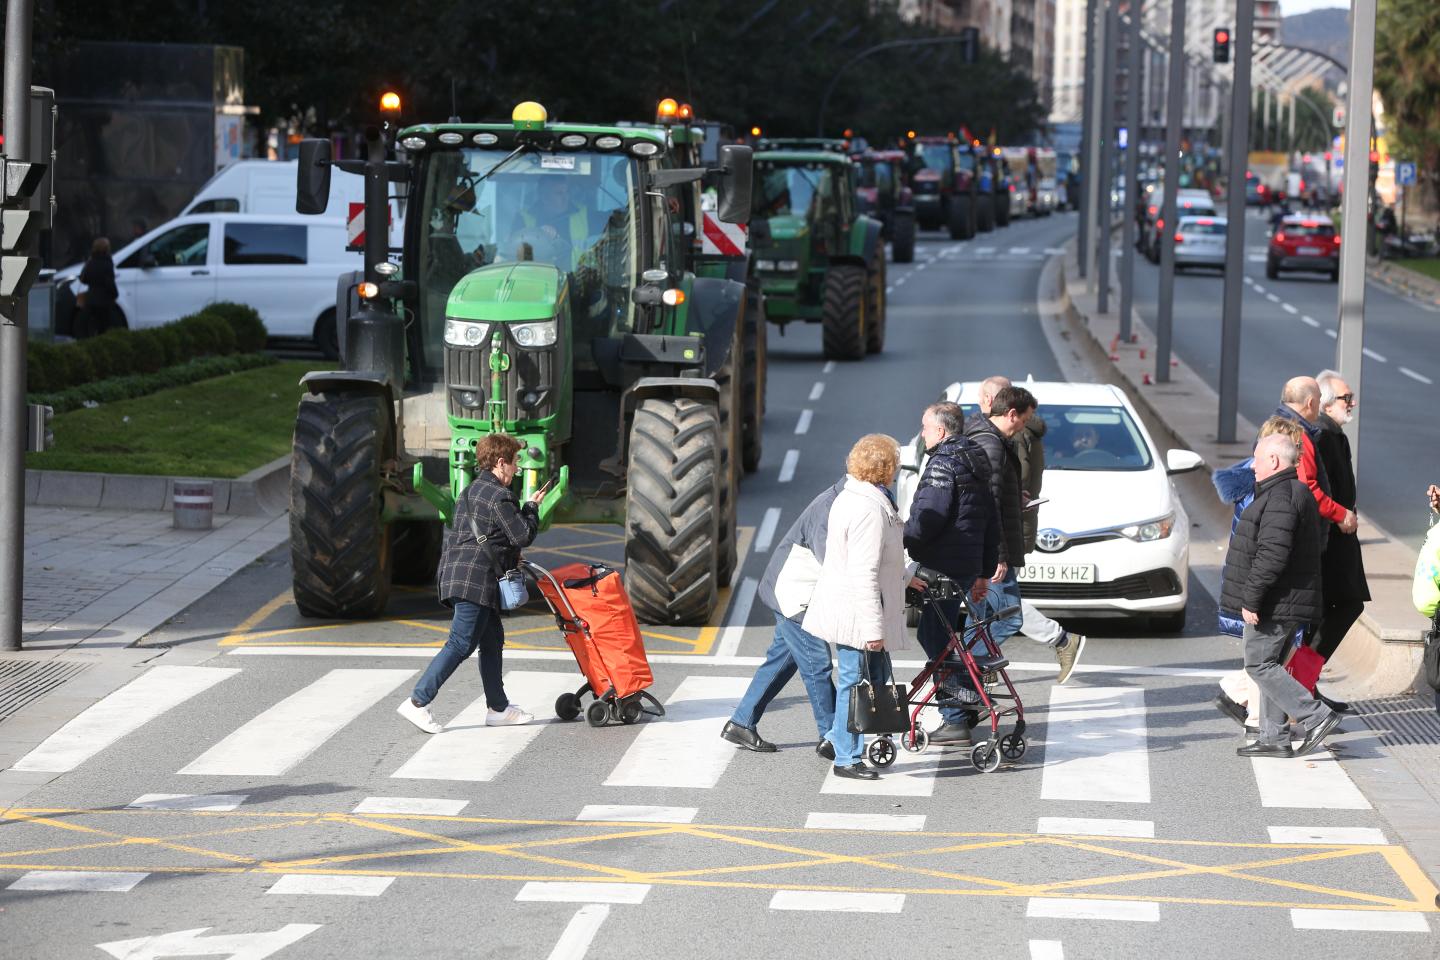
1340 616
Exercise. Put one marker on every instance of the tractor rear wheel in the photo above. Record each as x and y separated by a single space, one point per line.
1002 210
985 216
755 378
843 320
672 510
339 544
902 240
875 307
415 552
965 219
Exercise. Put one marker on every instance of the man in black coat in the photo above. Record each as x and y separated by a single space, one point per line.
1342 569
1272 579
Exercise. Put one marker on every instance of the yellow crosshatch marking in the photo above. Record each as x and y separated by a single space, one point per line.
1257 875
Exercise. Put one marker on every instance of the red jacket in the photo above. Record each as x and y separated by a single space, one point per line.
1329 509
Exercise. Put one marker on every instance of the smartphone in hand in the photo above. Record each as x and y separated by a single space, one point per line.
1035 504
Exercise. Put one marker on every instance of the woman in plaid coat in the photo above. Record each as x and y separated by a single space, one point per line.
484 540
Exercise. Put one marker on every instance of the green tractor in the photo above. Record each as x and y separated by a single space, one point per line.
545 292
820 260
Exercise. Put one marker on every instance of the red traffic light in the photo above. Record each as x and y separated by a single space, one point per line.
1222 36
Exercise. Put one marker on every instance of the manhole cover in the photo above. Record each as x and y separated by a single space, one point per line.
1410 728
25 681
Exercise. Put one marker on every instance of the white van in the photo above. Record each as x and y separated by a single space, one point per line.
268 186
285 266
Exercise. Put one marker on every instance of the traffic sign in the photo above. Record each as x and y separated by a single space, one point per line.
1337 118
1405 173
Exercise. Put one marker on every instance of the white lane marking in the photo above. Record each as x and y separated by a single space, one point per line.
890 289
1256 258
1146 911
77 880
1316 782
817 390
420 806
1355 835
922 266
124 711
865 821
315 885
984 251
802 426
766 534
1310 321
1088 827
1258 288
912 775
1019 251
1096 745
685 750
1272 298
1416 376
829 367
567 891
1250 280
468 750
1288 309
836 902
788 465
575 942
297 726
205 802
637 813
1331 333
1054 251
1387 921
1046 950
192 943
1378 358
739 615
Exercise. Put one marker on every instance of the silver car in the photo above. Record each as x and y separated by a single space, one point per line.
1200 242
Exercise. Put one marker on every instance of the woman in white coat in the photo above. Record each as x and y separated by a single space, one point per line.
859 598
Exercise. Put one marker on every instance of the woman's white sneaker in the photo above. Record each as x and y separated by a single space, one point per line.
511 716
420 716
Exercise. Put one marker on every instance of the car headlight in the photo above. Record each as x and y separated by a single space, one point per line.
789 266
540 334
1150 530
764 264
464 333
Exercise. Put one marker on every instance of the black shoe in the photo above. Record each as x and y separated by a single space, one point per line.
825 749
857 771
1259 749
950 733
1319 732
1230 708
745 737
1339 706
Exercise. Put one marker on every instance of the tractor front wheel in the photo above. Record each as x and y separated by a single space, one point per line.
339 544
843 321
902 241
672 510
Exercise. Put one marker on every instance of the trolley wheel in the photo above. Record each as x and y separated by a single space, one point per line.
597 714
567 706
916 742
985 756
1012 746
881 751
630 711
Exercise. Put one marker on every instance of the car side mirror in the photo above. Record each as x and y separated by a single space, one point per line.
737 166
148 261
312 176
1182 461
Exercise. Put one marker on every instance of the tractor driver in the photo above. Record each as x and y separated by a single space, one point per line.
555 230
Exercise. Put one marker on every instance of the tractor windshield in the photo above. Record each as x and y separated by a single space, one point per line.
573 210
798 189
937 156
967 162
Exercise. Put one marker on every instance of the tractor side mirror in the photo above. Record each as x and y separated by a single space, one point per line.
312 177
734 200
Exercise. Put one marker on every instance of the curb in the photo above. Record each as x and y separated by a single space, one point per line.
1405 281
262 492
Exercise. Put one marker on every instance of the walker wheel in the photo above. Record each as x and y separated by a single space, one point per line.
1012 746
567 706
881 752
985 756
597 714
630 711
916 740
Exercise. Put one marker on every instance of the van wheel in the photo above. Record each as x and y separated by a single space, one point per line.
327 336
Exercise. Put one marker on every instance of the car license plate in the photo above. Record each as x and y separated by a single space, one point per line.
1058 573
1308 251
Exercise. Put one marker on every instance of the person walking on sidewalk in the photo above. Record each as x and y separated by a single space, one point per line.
954 528
1272 576
1344 590
859 598
786 587
486 535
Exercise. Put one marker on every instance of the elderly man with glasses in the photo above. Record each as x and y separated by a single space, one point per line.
1342 570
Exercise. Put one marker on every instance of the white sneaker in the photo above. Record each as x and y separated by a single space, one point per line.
511 716
420 716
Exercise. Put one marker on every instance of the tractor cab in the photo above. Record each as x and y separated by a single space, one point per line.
881 192
943 186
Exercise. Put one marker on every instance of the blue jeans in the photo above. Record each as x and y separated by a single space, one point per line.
933 639
850 746
472 626
792 650
1004 594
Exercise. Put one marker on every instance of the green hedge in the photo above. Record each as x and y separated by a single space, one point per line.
220 330
140 385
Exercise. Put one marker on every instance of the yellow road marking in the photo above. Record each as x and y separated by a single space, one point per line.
259 616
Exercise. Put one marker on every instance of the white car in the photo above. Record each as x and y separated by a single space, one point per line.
1200 242
1114 538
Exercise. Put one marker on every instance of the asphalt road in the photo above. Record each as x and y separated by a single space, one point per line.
1289 328
261 784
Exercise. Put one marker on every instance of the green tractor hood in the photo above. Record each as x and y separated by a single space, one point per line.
507 292
788 227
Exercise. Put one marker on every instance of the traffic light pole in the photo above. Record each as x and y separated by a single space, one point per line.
1087 130
1107 156
1132 169
1095 191
19 21
1236 161
1174 116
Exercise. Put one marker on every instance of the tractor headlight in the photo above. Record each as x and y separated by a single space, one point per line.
1153 530
540 334
469 398
788 266
464 333
764 264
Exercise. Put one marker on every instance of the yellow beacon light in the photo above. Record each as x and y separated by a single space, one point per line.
910 134
754 131
685 112
390 102
529 116
666 110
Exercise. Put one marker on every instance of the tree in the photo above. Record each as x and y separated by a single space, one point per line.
1407 75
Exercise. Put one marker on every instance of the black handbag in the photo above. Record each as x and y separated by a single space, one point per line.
1431 659
878 707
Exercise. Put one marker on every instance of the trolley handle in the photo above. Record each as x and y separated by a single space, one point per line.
537 571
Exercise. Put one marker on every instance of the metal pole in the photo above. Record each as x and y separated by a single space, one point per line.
1348 347
1174 108
1099 190
1132 171
1238 144
1107 154
1087 165
19 21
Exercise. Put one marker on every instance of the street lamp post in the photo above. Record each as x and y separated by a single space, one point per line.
1132 171
1174 109
1107 155
1236 162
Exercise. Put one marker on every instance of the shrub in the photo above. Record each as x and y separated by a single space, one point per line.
102 357
40 367
73 366
244 322
124 388
212 337
176 342
148 352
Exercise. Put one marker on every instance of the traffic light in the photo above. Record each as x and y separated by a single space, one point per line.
40 424
969 44
18 223
1222 45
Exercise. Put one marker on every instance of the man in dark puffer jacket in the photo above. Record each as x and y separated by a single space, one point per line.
1272 578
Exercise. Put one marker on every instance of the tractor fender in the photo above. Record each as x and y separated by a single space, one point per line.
695 388
864 239
351 381
714 312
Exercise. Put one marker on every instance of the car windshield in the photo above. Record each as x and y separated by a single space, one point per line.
1308 230
573 210
936 155
1214 228
1092 438
801 189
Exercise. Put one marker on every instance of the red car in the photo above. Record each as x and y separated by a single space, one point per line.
1308 244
